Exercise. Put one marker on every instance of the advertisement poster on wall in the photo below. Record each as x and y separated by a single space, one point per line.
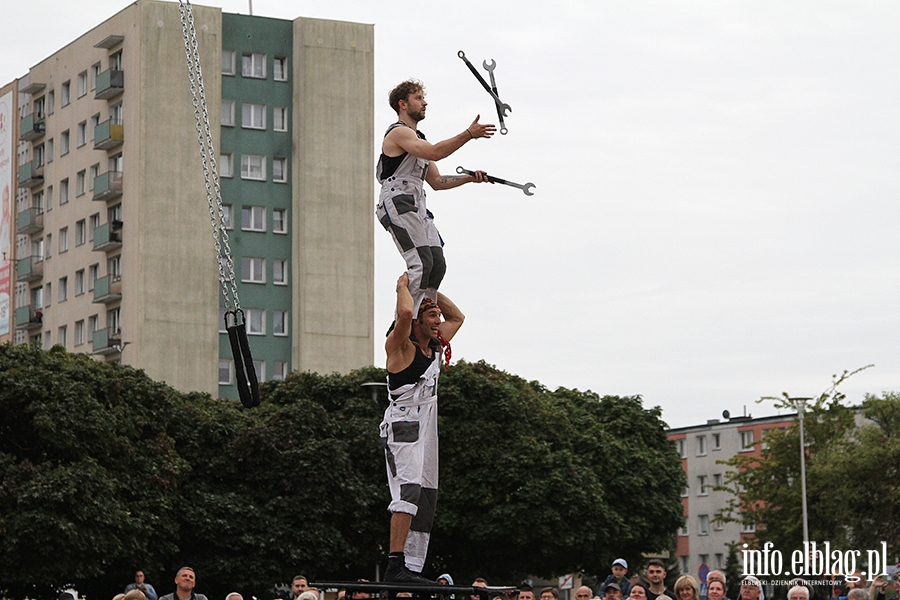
6 188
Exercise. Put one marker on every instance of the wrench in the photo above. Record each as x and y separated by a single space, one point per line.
490 70
525 187
500 104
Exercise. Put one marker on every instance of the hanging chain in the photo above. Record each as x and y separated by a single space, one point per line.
208 160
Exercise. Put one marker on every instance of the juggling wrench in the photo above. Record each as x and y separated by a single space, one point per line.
500 104
525 187
490 69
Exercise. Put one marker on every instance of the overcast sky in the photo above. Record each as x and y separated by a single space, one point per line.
716 208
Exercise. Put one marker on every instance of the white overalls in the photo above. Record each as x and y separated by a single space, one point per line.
409 432
401 210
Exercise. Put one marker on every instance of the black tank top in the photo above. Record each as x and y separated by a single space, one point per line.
412 373
389 164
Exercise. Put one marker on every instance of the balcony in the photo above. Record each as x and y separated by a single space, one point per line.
107 341
31 175
30 268
108 186
30 220
31 127
108 289
110 83
108 237
108 135
28 318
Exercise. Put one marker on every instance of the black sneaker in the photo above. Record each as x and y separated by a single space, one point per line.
398 573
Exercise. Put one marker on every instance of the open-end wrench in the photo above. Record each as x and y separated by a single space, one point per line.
525 187
500 104
490 69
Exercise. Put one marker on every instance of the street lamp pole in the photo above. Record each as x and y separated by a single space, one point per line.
801 409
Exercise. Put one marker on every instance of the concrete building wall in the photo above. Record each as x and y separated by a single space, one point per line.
170 293
9 134
333 314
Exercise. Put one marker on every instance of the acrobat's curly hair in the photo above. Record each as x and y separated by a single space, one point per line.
403 91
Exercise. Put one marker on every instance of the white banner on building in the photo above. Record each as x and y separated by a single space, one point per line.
6 202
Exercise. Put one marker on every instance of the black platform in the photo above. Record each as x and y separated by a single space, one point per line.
390 590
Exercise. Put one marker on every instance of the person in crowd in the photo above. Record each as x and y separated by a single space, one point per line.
185 580
141 584
656 577
619 575
686 588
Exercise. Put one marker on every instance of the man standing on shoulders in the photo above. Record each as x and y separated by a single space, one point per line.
184 586
409 429
407 161
139 584
656 577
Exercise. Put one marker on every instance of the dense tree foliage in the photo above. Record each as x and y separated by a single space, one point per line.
103 471
851 469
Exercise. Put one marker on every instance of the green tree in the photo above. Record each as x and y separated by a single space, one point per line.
542 482
87 471
851 468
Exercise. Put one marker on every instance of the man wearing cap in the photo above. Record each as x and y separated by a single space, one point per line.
619 577
409 428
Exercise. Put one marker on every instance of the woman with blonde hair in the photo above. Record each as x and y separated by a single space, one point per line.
686 588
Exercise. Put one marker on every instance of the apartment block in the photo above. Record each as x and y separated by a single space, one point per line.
113 248
702 544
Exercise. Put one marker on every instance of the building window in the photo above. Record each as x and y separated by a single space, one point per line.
64 191
703 525
279 118
227 62
279 220
226 165
114 267
717 441
279 68
704 559
681 447
95 72
226 372
685 564
51 101
253 270
61 336
93 275
227 113
280 322
65 93
115 61
701 445
717 479
279 170
95 122
718 525
95 173
702 481
228 216
253 116
48 247
80 233
683 531
279 370
253 65
260 367
38 155
256 321
80 178
63 289
82 83
79 333
93 224
79 282
720 561
746 440
279 271
48 294
253 218
748 528
686 491
64 143
92 324
49 157
253 166
81 134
